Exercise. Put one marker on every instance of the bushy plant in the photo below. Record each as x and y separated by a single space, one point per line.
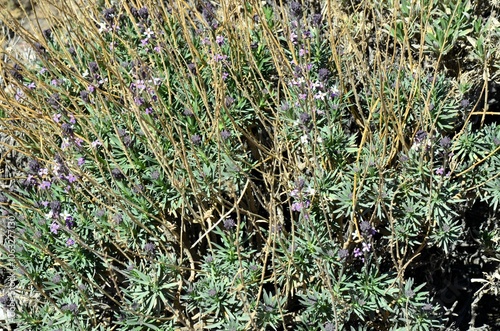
240 166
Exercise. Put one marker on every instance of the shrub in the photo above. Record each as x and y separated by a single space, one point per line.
241 166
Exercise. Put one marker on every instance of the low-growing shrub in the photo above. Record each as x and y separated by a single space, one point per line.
240 165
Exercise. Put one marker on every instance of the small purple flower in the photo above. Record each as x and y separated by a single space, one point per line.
139 101
298 206
29 181
44 185
220 57
225 75
219 40
145 41
205 41
19 95
366 247
440 171
357 252
96 143
43 172
31 86
70 242
80 161
54 227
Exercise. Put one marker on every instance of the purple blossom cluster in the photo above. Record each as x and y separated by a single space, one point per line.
43 178
143 89
360 252
302 196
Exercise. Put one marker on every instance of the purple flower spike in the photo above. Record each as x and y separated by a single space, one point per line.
54 227
297 206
